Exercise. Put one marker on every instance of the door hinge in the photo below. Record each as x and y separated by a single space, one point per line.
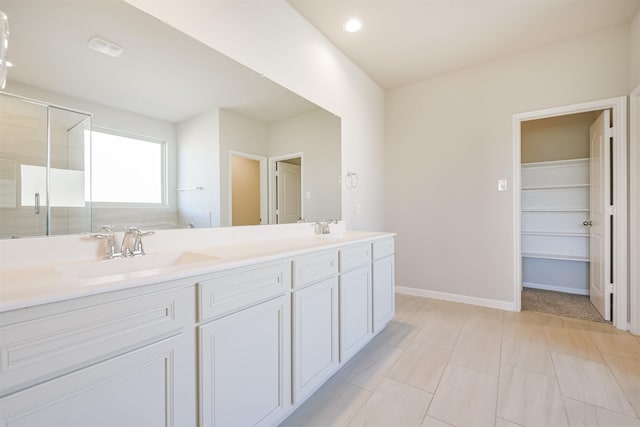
611 210
277 173
610 288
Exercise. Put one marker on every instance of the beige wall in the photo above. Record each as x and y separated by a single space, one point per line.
556 138
634 51
450 139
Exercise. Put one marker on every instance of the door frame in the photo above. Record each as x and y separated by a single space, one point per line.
634 210
272 183
263 184
618 106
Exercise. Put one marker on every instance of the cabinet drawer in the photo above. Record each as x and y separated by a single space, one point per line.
60 339
311 268
232 290
383 248
355 256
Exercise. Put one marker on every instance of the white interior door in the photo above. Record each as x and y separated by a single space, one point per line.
599 248
289 195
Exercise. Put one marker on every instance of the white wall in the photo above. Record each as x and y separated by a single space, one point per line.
273 39
634 51
237 133
317 136
198 165
448 142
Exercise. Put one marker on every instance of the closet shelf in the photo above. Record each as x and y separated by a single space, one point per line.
553 187
553 233
554 210
555 256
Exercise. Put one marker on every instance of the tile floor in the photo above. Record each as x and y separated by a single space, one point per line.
447 364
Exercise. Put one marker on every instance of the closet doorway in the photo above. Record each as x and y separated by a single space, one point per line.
570 211
558 204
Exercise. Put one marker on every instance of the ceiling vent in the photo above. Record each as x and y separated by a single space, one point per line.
105 46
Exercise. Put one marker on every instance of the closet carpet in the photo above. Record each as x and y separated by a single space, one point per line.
560 304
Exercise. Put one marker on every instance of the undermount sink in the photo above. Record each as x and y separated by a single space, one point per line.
140 263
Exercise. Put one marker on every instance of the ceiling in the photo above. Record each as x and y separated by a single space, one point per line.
404 41
162 73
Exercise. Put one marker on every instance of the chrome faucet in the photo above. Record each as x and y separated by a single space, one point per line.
322 227
132 241
106 232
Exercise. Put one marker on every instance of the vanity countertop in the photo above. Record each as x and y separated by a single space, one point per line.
31 286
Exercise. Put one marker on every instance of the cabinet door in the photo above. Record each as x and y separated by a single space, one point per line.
315 336
139 388
245 366
383 292
355 311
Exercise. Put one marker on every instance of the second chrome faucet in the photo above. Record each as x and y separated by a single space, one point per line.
131 241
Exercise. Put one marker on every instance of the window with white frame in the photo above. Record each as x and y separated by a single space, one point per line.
125 169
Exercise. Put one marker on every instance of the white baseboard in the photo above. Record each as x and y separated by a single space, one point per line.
555 288
484 302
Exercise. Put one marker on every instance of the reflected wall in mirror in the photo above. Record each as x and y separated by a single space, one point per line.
185 107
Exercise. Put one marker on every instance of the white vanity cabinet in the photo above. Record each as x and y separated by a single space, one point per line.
383 283
315 321
241 344
123 358
245 351
355 299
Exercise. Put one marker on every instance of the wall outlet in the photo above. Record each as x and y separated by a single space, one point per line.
308 195
502 185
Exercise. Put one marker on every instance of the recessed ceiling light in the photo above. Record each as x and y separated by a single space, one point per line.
105 46
352 25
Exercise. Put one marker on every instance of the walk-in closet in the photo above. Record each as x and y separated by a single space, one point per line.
555 215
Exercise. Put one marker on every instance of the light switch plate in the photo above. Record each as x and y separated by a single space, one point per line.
502 185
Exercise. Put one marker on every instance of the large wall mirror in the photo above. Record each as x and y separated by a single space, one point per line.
110 116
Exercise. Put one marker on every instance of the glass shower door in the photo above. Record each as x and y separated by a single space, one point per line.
69 203
43 187
23 165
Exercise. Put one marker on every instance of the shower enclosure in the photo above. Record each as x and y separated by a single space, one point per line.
44 164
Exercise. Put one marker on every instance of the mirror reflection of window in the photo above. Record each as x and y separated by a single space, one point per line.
125 169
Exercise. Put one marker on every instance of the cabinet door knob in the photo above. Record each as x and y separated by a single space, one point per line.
587 223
